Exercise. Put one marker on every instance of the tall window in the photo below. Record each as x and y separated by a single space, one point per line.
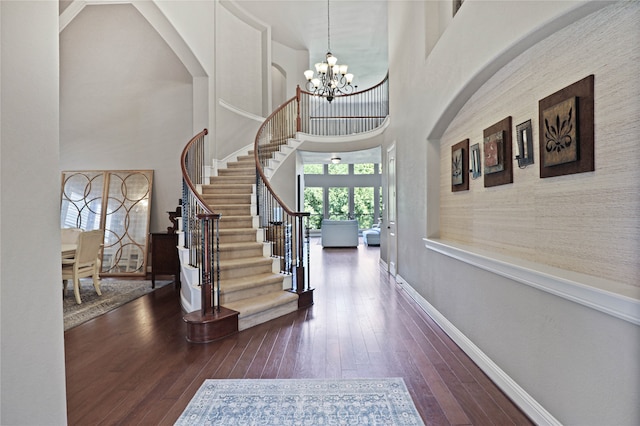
313 202
339 203
364 206
343 191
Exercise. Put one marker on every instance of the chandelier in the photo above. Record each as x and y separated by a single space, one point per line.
331 79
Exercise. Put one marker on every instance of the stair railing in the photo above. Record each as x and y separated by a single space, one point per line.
286 229
201 225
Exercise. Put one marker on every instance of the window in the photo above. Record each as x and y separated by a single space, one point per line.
363 169
343 191
313 202
339 203
313 169
338 169
364 206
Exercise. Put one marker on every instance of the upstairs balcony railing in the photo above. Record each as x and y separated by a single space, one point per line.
346 114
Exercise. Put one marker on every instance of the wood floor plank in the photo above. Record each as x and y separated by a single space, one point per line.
133 366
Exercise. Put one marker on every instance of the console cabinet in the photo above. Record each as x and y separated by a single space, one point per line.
164 257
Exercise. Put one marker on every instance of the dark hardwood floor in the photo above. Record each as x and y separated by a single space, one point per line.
134 366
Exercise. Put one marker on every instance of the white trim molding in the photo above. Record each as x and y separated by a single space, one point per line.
615 299
519 396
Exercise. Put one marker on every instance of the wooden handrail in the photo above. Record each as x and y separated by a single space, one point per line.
185 173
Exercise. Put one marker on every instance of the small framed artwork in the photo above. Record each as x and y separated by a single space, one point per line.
494 153
525 144
476 163
459 166
560 133
497 148
566 130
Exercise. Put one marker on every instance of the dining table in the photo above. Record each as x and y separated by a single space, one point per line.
69 251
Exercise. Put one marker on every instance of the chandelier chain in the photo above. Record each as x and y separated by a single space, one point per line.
328 28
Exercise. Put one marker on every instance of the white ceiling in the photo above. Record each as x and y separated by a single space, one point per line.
358 32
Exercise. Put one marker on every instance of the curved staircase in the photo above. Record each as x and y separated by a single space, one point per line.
250 282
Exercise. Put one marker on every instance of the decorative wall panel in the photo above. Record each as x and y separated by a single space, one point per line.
118 202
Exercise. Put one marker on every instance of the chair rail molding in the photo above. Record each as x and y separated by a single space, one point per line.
615 299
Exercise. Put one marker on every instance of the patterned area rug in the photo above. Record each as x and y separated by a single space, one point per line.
302 402
115 293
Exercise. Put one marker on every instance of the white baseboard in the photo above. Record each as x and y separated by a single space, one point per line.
522 399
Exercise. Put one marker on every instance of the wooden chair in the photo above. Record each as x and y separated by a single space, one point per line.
85 263
70 235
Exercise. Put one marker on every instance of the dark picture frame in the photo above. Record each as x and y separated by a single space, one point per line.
567 116
459 166
475 158
505 175
524 138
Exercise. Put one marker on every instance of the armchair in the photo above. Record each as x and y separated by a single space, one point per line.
371 237
85 263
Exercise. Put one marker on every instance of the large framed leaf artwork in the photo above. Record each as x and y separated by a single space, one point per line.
460 166
498 167
566 130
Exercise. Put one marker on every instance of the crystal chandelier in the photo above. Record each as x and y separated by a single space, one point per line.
331 79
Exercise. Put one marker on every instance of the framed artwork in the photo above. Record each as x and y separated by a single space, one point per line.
566 139
493 153
476 163
498 168
459 166
525 144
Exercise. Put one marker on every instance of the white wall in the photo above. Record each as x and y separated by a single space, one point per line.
577 362
32 381
126 101
294 63
239 61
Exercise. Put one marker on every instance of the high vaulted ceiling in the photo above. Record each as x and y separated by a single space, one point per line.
358 31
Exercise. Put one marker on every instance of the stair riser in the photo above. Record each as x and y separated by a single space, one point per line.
232 210
245 222
227 189
219 199
238 238
244 271
229 179
241 253
237 172
228 297
264 316
245 164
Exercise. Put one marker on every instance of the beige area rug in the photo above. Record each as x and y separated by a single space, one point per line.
283 402
115 293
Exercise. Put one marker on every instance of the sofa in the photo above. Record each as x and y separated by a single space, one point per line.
371 237
339 233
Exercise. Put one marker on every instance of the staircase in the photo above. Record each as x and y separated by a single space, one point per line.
250 281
